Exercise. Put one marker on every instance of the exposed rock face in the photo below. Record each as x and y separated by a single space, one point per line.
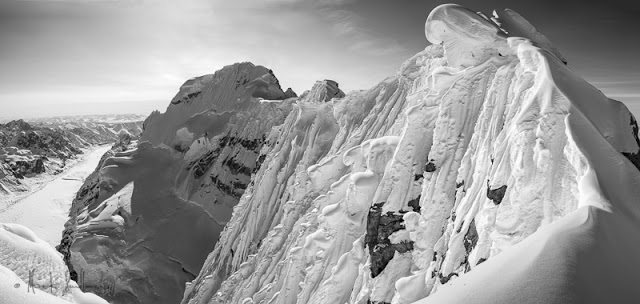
379 228
154 212
466 152
289 93
634 157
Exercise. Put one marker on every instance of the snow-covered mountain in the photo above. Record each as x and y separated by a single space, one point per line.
154 213
87 130
32 152
484 171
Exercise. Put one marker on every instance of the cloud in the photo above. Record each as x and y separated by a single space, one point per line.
348 26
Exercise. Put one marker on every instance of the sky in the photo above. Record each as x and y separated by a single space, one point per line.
62 57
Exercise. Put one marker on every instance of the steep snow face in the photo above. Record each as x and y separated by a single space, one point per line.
468 155
147 220
309 202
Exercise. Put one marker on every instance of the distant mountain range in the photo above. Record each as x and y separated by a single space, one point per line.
45 145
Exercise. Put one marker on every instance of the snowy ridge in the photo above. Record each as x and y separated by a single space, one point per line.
482 150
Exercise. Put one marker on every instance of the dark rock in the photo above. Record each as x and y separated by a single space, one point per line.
471 238
259 162
379 228
39 166
496 195
430 167
634 157
237 168
415 204
446 279
204 163
290 93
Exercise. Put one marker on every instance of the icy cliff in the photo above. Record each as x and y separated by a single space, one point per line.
485 162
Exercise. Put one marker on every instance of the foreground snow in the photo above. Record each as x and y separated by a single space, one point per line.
31 271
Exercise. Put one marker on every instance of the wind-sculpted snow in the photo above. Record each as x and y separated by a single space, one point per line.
517 26
468 38
466 168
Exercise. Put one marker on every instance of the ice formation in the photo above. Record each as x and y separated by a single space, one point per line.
484 162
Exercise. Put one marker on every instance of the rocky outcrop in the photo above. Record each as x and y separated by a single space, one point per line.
289 93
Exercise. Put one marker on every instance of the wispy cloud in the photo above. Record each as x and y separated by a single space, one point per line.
348 26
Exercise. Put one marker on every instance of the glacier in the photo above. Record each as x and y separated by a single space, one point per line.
485 170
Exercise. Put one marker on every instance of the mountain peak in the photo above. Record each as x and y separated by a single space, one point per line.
323 90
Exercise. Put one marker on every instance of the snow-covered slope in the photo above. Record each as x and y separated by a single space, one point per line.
485 171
